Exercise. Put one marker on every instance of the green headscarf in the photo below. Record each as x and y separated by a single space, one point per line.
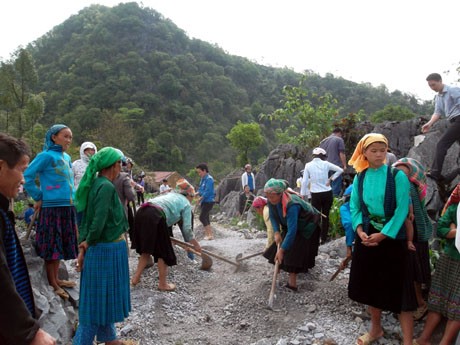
104 158
275 186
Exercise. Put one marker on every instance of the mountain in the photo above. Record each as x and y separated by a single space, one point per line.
125 76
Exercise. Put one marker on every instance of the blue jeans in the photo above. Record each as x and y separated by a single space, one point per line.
336 186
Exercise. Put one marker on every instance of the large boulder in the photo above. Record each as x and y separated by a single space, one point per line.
57 317
232 182
284 162
400 134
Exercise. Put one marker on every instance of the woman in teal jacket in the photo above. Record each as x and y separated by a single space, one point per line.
56 233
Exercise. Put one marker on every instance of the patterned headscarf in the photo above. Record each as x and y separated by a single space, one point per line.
416 174
184 187
49 143
104 158
279 186
454 198
276 186
357 160
259 202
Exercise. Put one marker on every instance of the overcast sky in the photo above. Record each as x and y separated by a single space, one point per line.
392 42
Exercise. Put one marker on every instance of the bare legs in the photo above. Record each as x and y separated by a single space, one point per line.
406 320
163 285
52 269
432 321
418 293
292 280
143 261
208 235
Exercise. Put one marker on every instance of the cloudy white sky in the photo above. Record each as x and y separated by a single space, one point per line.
391 42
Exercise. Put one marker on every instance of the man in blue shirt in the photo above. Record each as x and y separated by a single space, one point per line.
447 103
248 178
206 193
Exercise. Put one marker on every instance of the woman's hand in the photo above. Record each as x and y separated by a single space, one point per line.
43 338
278 238
196 245
374 239
362 235
369 240
38 205
279 255
81 255
411 217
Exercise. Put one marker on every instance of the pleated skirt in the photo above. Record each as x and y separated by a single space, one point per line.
300 257
152 235
444 297
382 276
56 233
104 288
420 262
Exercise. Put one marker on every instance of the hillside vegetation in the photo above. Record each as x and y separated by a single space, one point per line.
127 77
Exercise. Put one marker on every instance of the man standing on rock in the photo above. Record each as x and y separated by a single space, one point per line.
447 103
247 179
335 148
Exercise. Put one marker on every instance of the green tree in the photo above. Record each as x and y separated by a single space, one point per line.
392 113
244 137
20 106
306 117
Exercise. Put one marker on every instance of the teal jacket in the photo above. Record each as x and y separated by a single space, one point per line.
54 171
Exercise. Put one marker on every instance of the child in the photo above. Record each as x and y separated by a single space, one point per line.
418 229
345 218
28 213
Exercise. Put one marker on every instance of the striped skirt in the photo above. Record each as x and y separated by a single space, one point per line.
444 297
104 288
56 233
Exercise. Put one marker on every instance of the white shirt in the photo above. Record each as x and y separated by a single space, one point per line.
316 175
244 179
164 188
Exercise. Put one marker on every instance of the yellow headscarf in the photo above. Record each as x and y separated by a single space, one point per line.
357 160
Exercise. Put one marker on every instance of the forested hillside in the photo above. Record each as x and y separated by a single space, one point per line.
126 76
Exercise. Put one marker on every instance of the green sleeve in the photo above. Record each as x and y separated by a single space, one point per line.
444 222
101 204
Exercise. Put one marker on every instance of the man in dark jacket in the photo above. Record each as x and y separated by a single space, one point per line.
17 323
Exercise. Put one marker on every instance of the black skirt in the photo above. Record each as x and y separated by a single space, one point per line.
300 257
152 235
420 262
382 276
